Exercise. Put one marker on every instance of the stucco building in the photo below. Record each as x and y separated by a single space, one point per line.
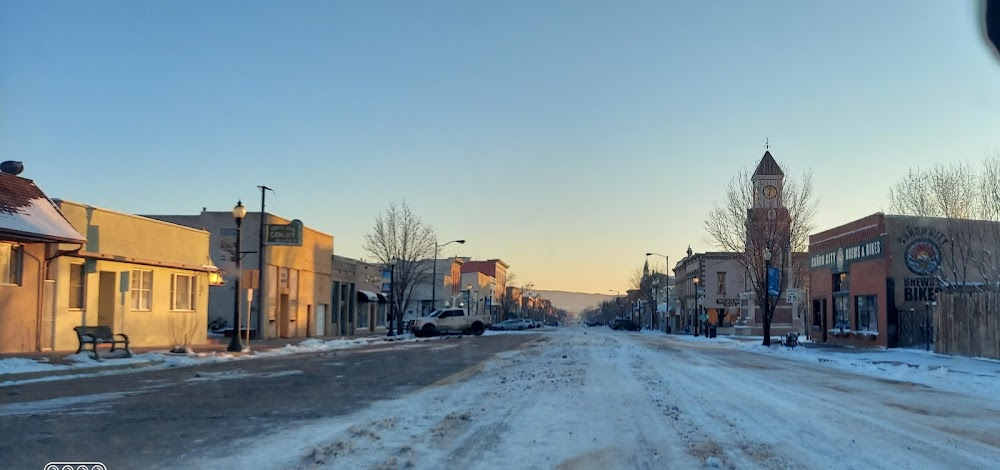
296 279
143 277
33 232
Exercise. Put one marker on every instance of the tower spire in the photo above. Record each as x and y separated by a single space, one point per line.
767 143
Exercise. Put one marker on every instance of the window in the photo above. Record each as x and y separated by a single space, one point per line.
722 283
381 312
841 282
363 314
842 312
183 290
142 289
866 316
77 276
10 264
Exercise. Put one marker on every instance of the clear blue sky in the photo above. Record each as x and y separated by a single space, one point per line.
566 137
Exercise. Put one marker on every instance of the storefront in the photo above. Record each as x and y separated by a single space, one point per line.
874 281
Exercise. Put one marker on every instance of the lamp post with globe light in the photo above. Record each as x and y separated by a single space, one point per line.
236 345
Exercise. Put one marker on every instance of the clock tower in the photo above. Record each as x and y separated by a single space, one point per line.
767 183
768 217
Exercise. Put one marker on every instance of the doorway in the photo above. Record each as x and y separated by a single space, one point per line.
321 320
310 326
47 333
283 320
821 312
106 299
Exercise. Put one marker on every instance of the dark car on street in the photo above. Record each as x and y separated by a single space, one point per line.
624 324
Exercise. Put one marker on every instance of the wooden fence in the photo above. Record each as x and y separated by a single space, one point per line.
967 324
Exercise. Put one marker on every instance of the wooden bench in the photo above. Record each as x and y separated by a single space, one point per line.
94 335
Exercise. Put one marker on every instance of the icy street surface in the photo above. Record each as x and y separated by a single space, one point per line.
592 398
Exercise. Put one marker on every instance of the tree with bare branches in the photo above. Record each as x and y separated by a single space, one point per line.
763 212
969 197
641 281
400 239
511 296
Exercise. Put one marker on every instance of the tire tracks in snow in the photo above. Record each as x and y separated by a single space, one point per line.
791 415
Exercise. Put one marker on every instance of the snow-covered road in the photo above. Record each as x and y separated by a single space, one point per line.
582 398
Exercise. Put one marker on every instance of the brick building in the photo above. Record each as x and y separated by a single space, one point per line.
874 281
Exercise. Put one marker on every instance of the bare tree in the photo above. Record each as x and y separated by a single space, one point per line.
400 239
510 300
944 190
735 226
640 280
969 197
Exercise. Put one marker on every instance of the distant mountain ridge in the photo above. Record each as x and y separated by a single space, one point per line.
573 302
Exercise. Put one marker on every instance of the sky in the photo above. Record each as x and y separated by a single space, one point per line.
567 138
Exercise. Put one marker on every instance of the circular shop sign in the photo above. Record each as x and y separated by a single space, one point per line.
923 256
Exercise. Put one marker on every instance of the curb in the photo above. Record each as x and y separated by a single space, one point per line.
8 379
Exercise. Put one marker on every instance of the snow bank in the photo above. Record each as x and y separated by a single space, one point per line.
164 359
975 376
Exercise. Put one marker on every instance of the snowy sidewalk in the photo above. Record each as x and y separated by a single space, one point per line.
977 376
54 366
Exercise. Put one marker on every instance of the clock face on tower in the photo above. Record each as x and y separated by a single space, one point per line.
770 191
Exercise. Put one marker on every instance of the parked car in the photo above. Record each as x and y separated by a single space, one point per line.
624 324
450 320
514 324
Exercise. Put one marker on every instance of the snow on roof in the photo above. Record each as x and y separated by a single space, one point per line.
26 213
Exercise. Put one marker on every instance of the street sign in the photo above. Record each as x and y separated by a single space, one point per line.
284 235
792 295
250 279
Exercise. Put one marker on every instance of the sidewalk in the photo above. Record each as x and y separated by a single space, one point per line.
54 365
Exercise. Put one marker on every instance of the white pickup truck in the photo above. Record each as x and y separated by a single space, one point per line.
449 320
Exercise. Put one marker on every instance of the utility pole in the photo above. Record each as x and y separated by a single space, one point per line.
261 290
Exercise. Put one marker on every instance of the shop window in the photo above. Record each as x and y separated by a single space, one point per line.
363 313
841 282
842 312
380 314
866 314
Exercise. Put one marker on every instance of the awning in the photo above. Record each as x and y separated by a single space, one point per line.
382 298
367 296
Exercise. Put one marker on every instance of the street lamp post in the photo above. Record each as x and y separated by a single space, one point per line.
666 299
697 309
767 290
434 271
392 299
468 297
236 345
